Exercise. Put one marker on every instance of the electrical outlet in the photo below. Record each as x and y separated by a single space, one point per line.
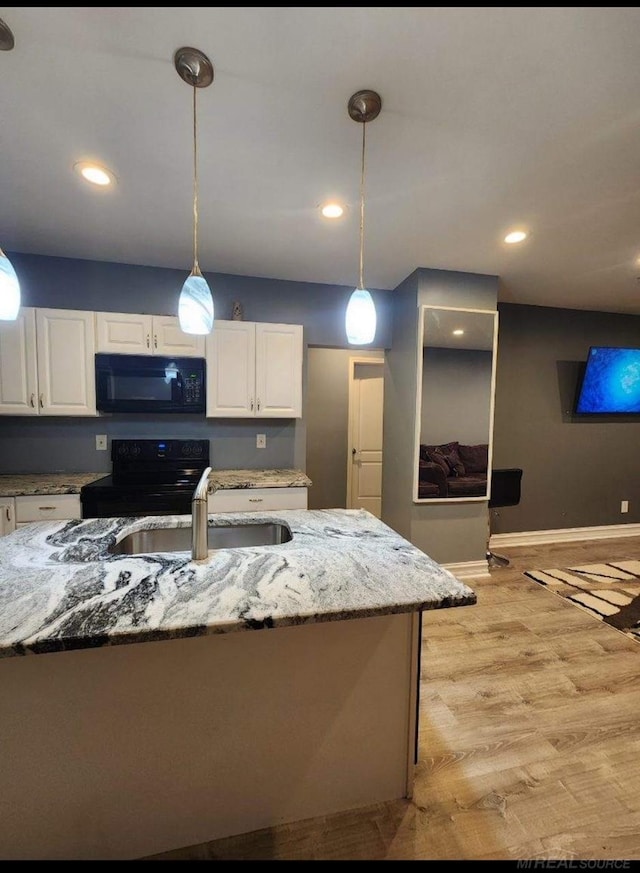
101 442
261 441
624 506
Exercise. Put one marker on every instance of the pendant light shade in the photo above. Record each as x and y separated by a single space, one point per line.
195 306
9 290
360 317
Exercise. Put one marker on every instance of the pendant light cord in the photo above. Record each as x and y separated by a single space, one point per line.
196 266
361 284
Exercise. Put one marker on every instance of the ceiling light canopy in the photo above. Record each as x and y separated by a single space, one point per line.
360 318
195 306
515 236
94 173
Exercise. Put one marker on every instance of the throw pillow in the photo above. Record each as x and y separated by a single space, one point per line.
453 460
440 460
475 458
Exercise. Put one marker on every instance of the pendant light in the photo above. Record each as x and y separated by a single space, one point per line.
195 307
360 318
9 285
9 290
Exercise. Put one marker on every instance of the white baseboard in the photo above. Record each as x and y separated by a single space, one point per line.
468 569
564 535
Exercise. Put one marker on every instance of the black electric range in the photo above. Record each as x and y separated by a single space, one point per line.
148 477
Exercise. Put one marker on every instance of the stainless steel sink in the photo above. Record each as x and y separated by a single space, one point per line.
225 536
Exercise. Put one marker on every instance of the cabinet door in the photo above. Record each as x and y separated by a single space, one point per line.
124 332
231 370
7 516
279 370
66 372
170 339
18 368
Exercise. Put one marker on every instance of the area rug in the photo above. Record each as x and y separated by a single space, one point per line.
609 592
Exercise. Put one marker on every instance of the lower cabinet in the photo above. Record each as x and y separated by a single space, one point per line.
7 515
46 507
254 499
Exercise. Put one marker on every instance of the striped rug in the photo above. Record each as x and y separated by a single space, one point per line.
609 592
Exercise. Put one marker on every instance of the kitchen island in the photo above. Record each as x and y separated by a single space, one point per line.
117 749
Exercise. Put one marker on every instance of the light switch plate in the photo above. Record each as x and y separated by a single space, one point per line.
101 442
261 441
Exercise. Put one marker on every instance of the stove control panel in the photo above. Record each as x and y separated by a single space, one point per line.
145 451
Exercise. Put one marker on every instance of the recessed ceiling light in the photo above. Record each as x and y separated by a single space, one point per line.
515 236
458 332
332 210
94 173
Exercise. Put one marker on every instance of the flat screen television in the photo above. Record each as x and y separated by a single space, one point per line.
611 382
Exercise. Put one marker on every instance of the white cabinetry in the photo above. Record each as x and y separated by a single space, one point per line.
136 334
7 515
47 507
254 499
254 370
46 363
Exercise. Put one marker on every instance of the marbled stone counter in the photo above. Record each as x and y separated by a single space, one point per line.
257 479
61 588
21 484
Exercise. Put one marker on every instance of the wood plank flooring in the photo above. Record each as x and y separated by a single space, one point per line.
529 737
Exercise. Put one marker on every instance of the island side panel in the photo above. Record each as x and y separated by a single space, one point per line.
127 751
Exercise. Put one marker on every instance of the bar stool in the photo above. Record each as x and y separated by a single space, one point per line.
505 491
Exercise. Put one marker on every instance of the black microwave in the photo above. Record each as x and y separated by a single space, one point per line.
149 383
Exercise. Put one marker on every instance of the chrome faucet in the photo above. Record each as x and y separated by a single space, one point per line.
199 513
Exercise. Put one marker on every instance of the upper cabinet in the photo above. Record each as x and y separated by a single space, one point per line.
254 370
47 363
134 334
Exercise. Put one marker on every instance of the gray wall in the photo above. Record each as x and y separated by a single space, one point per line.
326 418
49 444
452 532
68 283
32 445
400 380
455 386
576 469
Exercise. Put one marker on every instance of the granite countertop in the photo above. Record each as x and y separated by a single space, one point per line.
221 479
21 484
60 588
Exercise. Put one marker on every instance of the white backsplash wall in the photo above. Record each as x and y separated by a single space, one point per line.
42 445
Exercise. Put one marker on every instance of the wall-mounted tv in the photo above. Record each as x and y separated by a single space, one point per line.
611 382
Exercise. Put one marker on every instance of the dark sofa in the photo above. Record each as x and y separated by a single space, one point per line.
453 470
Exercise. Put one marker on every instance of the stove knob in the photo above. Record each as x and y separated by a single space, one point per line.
123 450
197 449
186 449
135 450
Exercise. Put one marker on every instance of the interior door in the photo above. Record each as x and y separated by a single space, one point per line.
365 459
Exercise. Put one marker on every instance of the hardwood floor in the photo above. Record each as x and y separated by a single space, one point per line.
529 736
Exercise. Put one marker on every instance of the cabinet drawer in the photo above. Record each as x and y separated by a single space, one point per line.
255 499
47 507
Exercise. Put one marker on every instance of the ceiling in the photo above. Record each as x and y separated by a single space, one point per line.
492 118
